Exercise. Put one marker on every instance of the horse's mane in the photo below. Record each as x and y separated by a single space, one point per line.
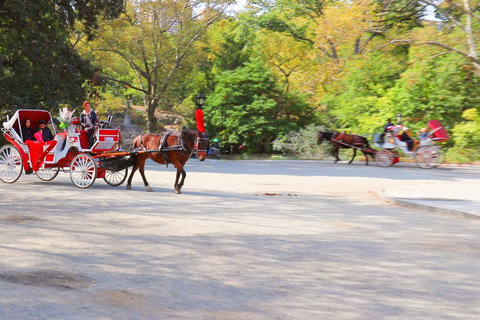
327 134
188 135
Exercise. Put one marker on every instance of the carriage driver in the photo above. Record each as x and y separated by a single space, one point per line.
88 120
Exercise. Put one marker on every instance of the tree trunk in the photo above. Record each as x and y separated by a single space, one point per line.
470 37
151 121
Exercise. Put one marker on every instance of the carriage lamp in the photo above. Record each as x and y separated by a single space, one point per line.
399 118
200 99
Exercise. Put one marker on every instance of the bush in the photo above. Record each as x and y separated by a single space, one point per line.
302 143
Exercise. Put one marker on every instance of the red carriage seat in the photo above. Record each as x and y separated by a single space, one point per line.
83 139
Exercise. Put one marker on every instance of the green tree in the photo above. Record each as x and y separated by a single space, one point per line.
248 108
38 65
151 47
455 32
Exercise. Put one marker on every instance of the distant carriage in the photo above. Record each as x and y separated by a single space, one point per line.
427 155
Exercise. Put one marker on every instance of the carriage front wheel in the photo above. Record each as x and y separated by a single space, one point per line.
83 171
428 157
384 158
47 174
115 178
11 164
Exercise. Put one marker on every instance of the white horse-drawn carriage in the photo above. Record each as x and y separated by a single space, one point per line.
69 150
425 154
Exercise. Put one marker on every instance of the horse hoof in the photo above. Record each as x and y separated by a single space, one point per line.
149 189
129 187
177 191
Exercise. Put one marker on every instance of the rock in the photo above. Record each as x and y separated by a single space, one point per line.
129 132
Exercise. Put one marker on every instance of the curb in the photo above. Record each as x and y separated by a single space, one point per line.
403 202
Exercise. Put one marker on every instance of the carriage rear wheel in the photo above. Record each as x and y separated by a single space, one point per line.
47 174
83 171
11 164
384 158
115 178
428 157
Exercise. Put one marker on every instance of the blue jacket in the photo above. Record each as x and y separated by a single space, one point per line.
47 134
92 115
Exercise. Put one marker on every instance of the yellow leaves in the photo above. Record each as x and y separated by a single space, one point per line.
343 23
471 114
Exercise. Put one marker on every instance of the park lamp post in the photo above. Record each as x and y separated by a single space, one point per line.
129 98
200 100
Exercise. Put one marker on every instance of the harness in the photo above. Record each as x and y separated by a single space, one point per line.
180 146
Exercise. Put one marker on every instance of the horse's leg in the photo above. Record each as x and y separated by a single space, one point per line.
335 153
142 172
129 182
178 185
366 157
140 165
354 155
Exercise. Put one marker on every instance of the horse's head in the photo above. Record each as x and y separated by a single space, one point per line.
320 137
201 146
324 135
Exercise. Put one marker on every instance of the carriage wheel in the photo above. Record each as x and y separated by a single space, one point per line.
115 178
47 174
83 171
428 157
11 164
384 158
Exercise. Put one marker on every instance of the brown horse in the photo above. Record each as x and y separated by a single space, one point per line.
173 147
342 140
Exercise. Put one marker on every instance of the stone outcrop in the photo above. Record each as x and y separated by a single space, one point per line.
129 132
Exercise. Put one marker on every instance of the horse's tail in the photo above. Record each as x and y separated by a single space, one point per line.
366 142
137 143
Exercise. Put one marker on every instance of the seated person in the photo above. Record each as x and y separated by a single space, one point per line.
46 133
26 133
405 136
39 135
215 147
423 134
388 125
88 120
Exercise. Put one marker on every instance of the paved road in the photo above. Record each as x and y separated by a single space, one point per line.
245 240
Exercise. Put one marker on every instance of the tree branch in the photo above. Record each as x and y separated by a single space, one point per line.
126 84
440 45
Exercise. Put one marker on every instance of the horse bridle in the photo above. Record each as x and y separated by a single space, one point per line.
197 143
195 149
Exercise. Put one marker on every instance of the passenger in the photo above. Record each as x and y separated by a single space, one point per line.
26 133
405 136
88 120
39 134
46 133
423 134
387 125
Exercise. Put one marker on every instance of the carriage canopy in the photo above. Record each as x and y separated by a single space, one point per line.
35 116
438 130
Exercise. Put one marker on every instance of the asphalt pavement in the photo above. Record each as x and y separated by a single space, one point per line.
457 198
286 239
